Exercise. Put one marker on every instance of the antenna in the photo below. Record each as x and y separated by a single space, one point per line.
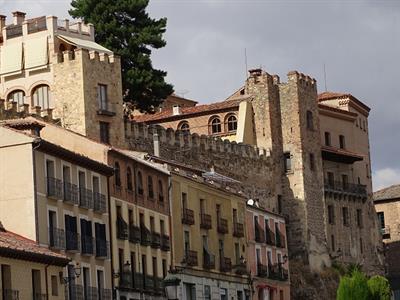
245 61
326 89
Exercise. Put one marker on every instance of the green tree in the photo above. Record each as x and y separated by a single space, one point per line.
124 27
354 287
379 288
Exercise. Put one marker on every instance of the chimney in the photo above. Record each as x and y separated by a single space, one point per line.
176 110
2 22
18 17
156 142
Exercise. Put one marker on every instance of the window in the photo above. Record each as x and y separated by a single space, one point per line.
281 295
345 213
331 179
184 201
117 174
331 214
140 183
129 182
287 162
231 123
381 219
17 96
41 97
53 231
186 241
100 283
207 292
71 233
184 127
215 125
359 218
152 226
361 246
36 284
310 121
86 237
102 96
150 186
154 264
160 191
237 253
327 139
279 204
162 227
332 242
54 285
345 182
96 184
342 142
164 267
101 239
312 162
104 132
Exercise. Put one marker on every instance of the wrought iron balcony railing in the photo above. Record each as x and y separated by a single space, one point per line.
238 230
134 234
145 236
70 192
259 234
269 237
187 216
87 245
205 221
99 203
85 198
345 187
56 238
90 293
190 258
225 264
280 239
208 260
122 228
105 294
39 296
72 241
262 270
9 294
102 247
54 188
165 243
155 240
222 225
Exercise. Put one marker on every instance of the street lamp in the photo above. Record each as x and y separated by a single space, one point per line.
77 272
125 269
171 283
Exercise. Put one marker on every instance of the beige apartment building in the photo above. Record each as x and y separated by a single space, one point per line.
58 198
28 270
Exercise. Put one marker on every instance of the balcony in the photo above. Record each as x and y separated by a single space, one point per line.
262 270
238 230
56 238
134 234
155 240
270 237
225 264
138 281
222 225
240 269
39 296
74 292
54 188
280 240
158 286
351 189
277 272
85 198
105 294
72 241
122 229
70 193
102 247
145 236
125 280
187 216
190 258
99 203
205 221
259 235
340 155
208 260
90 293
9 294
148 283
87 245
385 231
107 109
165 243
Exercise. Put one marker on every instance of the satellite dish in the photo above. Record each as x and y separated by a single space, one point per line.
250 202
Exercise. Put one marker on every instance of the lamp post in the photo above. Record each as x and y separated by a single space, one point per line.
77 272
171 283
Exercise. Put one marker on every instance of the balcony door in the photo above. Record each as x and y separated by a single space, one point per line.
86 282
36 284
52 228
100 284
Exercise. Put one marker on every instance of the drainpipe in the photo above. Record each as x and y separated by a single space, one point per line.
47 281
111 236
172 265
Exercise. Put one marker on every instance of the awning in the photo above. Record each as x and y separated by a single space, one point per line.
36 53
83 44
340 155
11 58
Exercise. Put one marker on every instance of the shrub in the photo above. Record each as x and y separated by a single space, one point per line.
354 287
379 288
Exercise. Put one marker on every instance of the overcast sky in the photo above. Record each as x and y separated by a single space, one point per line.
358 41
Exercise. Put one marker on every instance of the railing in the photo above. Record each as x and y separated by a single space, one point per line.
138 281
165 243
125 280
39 296
344 187
259 235
190 258
54 188
385 232
222 225
102 247
99 201
105 294
280 239
277 272
205 221
225 264
188 216
145 236
74 292
85 198
240 269
36 25
155 240
56 238
158 286
91 293
122 229
262 270
13 31
72 241
134 234
238 230
9 294
87 245
70 193
148 283
208 260
269 237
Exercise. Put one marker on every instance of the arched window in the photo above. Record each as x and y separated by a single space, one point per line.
150 186
16 96
231 123
129 184
140 183
310 121
117 174
215 125
41 96
160 191
184 126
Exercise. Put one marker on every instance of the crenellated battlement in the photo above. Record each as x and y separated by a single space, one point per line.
301 79
84 54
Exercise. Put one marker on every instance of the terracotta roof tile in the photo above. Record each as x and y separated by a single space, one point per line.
391 192
334 95
186 111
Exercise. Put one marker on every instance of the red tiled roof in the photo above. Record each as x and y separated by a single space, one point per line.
338 110
334 95
186 111
15 246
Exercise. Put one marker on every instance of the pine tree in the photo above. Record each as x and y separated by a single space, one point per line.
124 27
